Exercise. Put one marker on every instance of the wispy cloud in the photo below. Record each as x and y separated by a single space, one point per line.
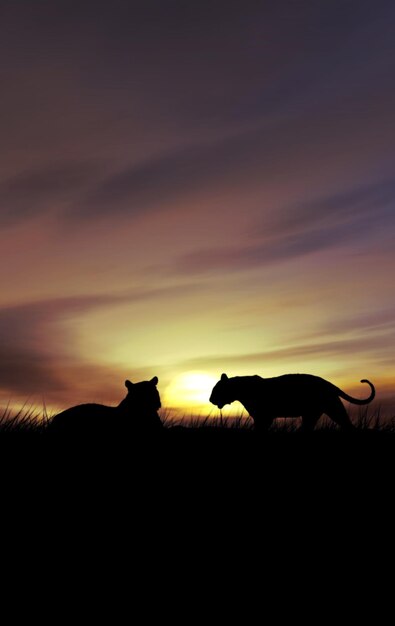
361 207
35 346
50 187
380 320
328 223
182 173
343 348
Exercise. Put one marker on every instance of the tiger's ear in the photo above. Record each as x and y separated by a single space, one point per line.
128 384
224 377
154 380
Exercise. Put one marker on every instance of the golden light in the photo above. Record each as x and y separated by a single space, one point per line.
191 389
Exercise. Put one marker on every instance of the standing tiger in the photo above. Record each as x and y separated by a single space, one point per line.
290 395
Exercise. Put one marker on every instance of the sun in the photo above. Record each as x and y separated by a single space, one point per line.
191 389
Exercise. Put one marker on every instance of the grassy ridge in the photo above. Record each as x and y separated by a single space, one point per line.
203 462
214 443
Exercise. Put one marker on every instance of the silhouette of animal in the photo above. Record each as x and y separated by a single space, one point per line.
137 411
291 395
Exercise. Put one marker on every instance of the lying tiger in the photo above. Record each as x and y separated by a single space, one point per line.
291 395
138 411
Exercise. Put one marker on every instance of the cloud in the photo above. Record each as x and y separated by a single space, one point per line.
35 348
363 205
328 223
360 345
27 372
367 339
249 257
192 169
51 187
95 188
368 321
32 346
275 250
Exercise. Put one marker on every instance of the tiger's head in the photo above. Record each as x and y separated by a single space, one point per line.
144 396
222 393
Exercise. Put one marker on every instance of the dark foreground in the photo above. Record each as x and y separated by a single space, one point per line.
226 488
217 454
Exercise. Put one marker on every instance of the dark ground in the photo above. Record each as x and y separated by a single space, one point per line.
210 455
208 503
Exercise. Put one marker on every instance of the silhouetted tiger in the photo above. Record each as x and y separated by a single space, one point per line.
137 411
291 395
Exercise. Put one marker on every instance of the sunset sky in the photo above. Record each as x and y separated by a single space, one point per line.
189 188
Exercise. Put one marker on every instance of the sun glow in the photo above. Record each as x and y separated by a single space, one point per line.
191 389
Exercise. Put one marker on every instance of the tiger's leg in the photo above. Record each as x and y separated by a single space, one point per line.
336 411
262 423
309 421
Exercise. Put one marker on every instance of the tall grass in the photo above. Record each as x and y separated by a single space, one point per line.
27 419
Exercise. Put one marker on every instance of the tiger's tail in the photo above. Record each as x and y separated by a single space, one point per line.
345 396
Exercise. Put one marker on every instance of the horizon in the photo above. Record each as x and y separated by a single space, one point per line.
188 189
187 400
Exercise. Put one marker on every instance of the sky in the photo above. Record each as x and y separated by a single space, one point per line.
191 188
